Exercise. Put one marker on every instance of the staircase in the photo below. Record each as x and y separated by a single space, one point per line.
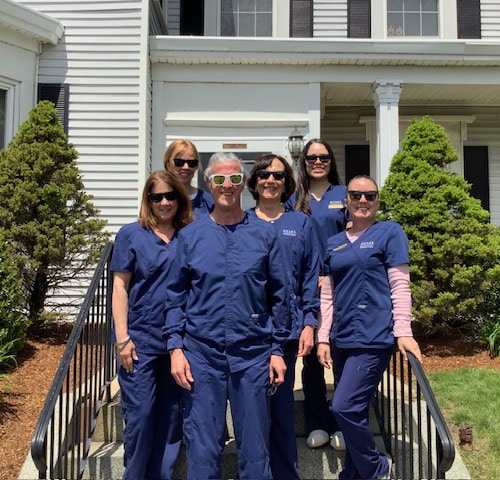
79 433
105 459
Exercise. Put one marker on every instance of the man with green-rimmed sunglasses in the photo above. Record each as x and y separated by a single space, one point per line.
227 316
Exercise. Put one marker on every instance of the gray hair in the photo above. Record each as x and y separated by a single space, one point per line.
222 157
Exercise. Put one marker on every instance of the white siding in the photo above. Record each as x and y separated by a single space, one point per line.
330 18
490 19
99 58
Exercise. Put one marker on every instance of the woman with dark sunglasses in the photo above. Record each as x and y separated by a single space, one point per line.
182 158
141 262
271 183
366 297
319 193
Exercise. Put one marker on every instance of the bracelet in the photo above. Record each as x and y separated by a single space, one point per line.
123 342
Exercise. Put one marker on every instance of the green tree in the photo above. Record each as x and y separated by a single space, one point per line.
13 320
454 250
50 221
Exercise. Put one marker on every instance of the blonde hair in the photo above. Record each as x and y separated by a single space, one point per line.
175 149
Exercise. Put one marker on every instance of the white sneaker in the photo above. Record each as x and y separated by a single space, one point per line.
337 441
317 438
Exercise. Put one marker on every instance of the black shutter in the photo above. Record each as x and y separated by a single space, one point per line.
476 172
58 94
469 18
359 19
357 161
192 17
301 18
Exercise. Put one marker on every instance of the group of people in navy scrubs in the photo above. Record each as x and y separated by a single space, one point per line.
212 306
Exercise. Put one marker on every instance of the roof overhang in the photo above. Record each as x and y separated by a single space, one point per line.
311 51
30 23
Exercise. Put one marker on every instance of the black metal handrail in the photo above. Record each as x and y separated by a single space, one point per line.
412 425
61 439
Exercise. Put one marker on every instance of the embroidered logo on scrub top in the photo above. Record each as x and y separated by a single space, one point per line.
340 247
289 233
367 245
335 204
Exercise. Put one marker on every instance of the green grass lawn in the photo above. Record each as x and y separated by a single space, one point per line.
472 396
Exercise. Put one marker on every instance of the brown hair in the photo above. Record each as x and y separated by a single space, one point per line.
176 148
263 162
184 214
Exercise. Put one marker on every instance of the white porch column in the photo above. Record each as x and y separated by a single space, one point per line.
385 94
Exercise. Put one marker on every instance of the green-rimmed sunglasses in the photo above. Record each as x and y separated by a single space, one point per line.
234 178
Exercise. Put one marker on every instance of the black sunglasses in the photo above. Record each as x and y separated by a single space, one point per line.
158 197
265 174
180 162
370 195
322 158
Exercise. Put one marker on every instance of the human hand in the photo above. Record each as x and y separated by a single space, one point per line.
277 370
409 344
127 355
180 369
324 354
306 341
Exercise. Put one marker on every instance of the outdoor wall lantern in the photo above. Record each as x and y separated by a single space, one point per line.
295 144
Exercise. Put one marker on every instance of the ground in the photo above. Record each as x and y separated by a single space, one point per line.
31 380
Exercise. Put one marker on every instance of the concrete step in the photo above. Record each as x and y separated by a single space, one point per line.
106 461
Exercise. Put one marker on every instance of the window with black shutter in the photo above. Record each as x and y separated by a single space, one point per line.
57 93
359 19
476 172
469 18
301 18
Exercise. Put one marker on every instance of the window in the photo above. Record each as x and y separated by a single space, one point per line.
246 18
3 96
412 18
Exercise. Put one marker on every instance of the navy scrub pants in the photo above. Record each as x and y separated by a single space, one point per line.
316 406
205 417
284 463
151 408
357 374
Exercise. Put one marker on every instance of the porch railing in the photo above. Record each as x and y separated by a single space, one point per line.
412 425
61 439
409 418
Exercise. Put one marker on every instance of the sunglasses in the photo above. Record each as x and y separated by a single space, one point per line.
322 158
370 196
265 174
180 162
219 178
158 197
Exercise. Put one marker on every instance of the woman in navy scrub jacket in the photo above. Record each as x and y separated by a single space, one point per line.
319 194
367 298
271 183
182 158
227 315
150 398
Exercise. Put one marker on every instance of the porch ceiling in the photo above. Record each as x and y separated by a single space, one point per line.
334 94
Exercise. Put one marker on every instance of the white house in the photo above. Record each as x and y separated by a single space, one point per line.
240 75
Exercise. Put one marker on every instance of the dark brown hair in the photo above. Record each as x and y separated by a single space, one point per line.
302 195
263 162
